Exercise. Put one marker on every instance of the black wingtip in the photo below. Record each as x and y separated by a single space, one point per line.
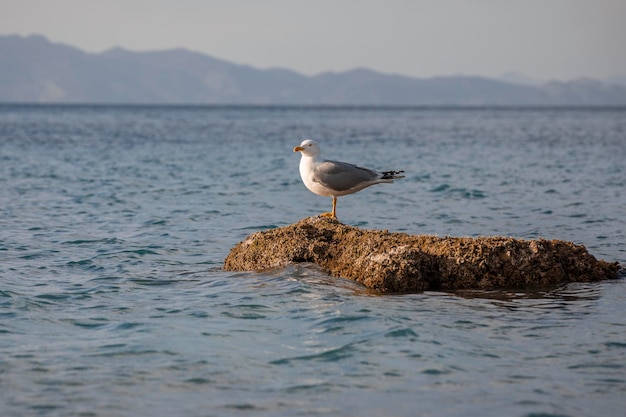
392 175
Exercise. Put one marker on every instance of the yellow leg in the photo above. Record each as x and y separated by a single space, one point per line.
332 214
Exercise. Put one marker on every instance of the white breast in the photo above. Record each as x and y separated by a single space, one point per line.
307 164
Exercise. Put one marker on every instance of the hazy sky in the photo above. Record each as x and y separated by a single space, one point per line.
544 39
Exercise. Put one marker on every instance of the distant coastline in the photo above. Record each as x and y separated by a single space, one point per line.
35 70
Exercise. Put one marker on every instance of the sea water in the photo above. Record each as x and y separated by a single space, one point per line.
115 221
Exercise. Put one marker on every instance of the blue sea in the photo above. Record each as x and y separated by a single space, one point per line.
115 221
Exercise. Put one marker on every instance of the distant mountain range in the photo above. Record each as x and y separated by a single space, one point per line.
35 70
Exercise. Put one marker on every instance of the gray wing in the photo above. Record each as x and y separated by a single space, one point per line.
342 176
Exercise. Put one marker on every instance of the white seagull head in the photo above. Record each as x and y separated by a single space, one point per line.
308 147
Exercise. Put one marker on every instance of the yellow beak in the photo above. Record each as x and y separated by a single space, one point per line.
298 149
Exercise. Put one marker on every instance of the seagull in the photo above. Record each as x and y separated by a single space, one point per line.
334 178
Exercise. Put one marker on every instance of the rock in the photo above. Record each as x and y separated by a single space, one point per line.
398 262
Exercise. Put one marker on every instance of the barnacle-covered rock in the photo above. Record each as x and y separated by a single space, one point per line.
398 262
